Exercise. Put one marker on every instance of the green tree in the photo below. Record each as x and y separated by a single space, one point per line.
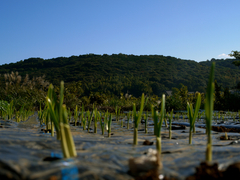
235 54
218 97
227 99
179 98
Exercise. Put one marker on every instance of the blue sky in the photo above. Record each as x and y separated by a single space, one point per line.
187 29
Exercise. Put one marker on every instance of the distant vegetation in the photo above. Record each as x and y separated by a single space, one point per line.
108 79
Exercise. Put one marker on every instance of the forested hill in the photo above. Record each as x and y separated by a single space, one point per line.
121 73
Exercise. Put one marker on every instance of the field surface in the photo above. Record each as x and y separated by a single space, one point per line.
26 152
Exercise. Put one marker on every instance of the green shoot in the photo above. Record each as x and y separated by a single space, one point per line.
170 117
17 116
82 113
158 124
95 120
209 112
68 135
155 119
226 136
84 121
137 118
52 129
109 125
41 114
128 119
103 122
69 114
48 120
146 122
89 115
118 114
165 119
193 115
132 118
57 113
76 115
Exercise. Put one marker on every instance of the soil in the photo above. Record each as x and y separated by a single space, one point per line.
178 127
29 153
212 172
224 129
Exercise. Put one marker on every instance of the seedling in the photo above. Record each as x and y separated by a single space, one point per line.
234 117
40 115
89 115
83 118
219 115
193 115
103 122
132 119
155 120
95 120
17 116
59 116
158 123
177 116
128 119
165 119
117 112
226 136
109 125
52 128
170 117
137 118
48 119
82 113
69 115
209 112
146 122
76 115
84 121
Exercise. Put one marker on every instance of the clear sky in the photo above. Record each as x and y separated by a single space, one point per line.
187 29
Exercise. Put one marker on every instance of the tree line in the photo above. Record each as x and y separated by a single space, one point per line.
108 79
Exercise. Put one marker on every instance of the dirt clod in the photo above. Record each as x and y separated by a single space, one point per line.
224 129
147 143
150 175
206 172
178 127
209 172
233 171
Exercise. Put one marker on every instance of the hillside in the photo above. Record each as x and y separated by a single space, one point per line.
118 73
